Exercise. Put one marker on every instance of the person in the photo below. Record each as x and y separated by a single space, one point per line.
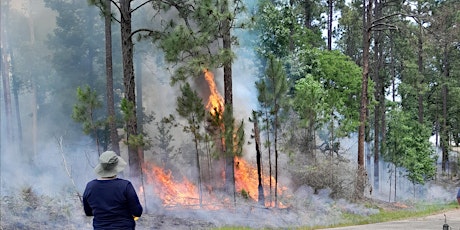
112 201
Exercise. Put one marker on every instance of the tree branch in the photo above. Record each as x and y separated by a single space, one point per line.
387 27
141 5
116 5
384 18
66 166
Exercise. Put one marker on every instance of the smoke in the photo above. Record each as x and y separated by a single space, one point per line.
60 170
50 172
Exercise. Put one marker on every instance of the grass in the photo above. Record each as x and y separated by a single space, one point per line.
418 210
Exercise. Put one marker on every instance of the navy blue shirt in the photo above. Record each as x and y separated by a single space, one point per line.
113 203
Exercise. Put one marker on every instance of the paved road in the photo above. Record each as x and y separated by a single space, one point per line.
429 222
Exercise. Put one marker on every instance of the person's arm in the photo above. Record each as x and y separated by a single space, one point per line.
133 201
86 207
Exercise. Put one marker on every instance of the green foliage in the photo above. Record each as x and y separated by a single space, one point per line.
138 140
192 40
134 140
328 91
272 92
308 100
190 106
274 84
164 136
238 141
274 26
341 79
408 147
303 62
228 121
85 109
280 29
127 109
351 29
234 135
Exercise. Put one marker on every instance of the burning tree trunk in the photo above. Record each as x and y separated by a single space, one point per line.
261 198
207 37
229 152
228 98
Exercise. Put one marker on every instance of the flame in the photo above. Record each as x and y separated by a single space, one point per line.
185 193
215 100
246 178
174 193
171 192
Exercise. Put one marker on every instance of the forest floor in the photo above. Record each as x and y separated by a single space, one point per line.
25 209
48 213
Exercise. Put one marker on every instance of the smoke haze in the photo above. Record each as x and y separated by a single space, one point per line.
64 158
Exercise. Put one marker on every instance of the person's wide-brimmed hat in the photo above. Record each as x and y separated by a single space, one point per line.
110 164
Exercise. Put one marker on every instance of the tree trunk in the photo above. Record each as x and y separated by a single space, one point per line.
444 130
379 94
420 70
267 124
5 72
129 85
308 8
367 20
291 29
16 88
329 24
198 167
34 119
139 109
109 87
228 99
261 197
1 78
276 152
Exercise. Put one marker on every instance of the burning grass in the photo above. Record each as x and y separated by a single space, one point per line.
28 210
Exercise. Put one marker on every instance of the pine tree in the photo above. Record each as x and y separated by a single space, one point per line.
190 106
272 90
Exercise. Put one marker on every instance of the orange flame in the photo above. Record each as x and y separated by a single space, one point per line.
215 100
175 193
171 192
185 193
246 178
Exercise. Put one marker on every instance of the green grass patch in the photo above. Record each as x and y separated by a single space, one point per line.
418 210
384 215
